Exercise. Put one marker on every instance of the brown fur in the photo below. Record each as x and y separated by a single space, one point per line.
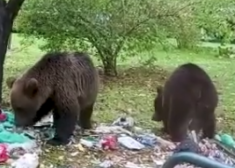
187 101
66 83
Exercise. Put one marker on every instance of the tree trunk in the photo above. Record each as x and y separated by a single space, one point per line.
5 25
110 66
8 12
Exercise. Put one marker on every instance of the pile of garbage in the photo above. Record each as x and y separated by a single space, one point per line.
119 144
16 148
122 135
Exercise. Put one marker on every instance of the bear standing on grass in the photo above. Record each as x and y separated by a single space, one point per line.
187 101
66 83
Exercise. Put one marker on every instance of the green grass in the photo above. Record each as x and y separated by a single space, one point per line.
134 90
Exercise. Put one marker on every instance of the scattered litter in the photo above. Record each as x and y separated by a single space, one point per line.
9 117
131 165
74 154
106 164
217 137
26 161
158 163
3 153
12 137
130 143
193 136
147 139
17 152
45 122
138 130
7 132
80 147
188 145
227 140
111 130
165 144
87 143
125 122
109 142
3 117
16 146
211 150
38 133
131 146
29 146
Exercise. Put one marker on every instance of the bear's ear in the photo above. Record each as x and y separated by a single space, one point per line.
31 86
159 89
10 81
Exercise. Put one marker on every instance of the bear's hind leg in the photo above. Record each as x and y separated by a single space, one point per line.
65 122
178 126
209 125
85 117
178 133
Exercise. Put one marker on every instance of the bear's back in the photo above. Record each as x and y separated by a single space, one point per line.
188 80
63 65
73 72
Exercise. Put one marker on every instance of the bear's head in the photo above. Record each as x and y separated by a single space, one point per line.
25 99
158 103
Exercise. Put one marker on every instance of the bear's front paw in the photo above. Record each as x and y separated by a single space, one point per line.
57 142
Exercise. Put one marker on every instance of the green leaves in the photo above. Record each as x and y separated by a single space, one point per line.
111 26
213 16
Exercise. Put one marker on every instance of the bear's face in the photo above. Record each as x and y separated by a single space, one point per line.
157 116
24 99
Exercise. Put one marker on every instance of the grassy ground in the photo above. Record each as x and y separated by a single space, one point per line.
134 90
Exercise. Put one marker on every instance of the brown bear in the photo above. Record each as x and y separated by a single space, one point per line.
61 82
187 101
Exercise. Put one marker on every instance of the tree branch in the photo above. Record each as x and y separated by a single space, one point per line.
126 34
90 24
136 26
13 7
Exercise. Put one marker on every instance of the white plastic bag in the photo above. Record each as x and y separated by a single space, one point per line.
130 143
28 160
